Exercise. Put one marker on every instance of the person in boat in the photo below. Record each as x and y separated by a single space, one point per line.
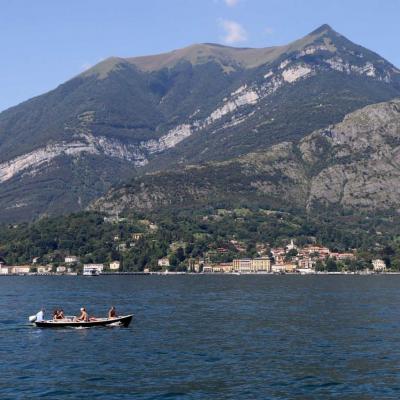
55 313
112 312
84 315
61 314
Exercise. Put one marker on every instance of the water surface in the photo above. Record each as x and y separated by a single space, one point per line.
203 337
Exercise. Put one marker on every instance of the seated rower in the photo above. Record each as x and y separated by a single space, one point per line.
83 317
112 312
56 313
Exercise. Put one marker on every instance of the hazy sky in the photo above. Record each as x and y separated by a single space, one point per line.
45 42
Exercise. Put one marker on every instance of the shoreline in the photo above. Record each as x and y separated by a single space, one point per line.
361 273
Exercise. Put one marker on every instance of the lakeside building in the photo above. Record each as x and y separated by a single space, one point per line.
4 270
114 266
163 262
92 269
61 269
195 265
287 267
44 269
247 265
20 269
261 264
15 270
379 265
71 259
242 265
223 267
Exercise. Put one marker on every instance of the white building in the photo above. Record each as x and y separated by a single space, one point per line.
61 269
4 270
44 269
92 269
71 259
379 265
244 265
114 266
20 269
163 262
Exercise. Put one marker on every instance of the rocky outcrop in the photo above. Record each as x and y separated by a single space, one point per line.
354 164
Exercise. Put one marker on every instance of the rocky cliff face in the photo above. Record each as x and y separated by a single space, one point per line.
198 104
360 159
354 164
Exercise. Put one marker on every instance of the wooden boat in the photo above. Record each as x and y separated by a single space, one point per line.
68 322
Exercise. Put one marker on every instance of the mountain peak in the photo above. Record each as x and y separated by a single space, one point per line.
325 28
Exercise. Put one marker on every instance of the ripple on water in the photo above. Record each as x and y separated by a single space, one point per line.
206 337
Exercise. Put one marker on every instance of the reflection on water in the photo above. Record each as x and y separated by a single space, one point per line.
274 337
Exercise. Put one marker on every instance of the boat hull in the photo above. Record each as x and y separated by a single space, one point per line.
120 321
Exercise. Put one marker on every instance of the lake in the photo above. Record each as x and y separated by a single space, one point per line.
203 337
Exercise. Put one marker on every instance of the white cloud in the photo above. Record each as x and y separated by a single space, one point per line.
231 3
234 32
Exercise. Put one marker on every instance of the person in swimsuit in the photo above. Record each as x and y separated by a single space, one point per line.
84 315
112 312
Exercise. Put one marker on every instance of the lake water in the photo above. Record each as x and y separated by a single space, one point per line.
205 337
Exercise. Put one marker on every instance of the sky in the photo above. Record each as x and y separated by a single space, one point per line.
43 43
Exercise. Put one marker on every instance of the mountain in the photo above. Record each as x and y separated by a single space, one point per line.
206 102
353 165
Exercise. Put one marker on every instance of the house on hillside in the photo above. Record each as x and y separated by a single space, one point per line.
71 259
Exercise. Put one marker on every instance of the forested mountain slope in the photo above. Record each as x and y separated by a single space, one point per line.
354 164
62 150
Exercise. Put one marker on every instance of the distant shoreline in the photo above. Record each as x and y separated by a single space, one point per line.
209 274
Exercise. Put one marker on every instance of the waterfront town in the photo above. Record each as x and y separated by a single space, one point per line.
290 259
